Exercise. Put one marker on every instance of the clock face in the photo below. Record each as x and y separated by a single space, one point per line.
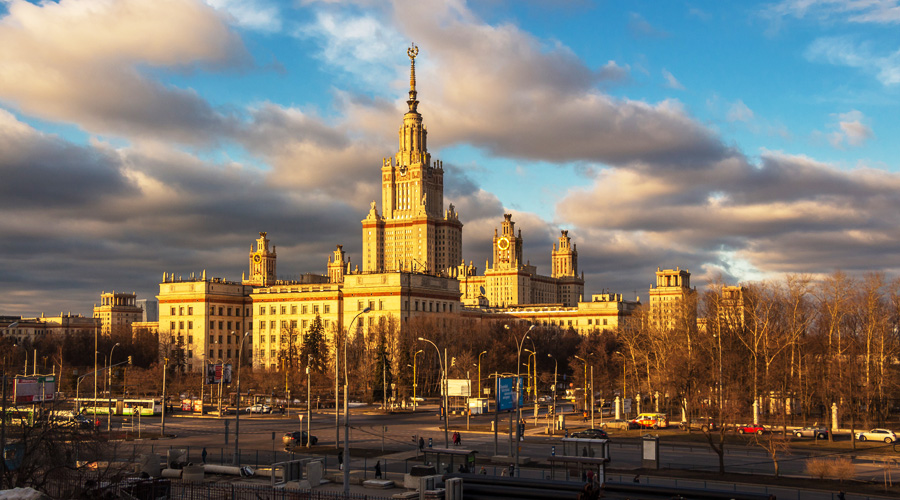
503 243
403 170
256 258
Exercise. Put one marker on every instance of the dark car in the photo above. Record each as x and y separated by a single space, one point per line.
703 424
81 422
297 439
816 432
591 434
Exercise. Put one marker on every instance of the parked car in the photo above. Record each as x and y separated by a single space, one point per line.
816 432
618 424
885 435
749 429
545 400
703 424
296 439
591 434
259 408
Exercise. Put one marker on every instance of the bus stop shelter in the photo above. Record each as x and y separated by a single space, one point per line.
575 468
584 447
448 460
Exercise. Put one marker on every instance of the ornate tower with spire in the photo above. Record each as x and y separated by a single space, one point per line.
262 263
413 232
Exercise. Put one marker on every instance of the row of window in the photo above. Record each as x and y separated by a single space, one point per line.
223 311
304 309
290 325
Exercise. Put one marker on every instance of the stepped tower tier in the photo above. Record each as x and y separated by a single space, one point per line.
413 233
262 263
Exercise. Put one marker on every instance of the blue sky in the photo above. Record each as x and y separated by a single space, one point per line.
741 140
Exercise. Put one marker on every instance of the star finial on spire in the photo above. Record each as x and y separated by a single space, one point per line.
412 52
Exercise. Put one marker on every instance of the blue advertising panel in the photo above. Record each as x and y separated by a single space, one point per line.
506 394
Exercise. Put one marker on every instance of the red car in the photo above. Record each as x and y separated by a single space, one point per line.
750 429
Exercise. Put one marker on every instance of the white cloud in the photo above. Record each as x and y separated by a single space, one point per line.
259 15
96 82
850 129
671 81
845 51
854 11
739 112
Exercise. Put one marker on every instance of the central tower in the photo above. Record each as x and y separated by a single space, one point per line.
413 233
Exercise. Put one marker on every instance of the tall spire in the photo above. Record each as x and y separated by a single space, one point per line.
412 52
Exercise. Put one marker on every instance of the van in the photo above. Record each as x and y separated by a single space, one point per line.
652 420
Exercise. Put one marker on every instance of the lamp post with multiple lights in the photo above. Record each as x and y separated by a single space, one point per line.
109 390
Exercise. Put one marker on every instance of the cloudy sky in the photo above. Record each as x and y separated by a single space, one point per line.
146 136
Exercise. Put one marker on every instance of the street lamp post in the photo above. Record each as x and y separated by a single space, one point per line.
623 380
519 387
308 402
109 390
579 358
528 389
444 369
236 460
555 369
415 381
479 373
163 421
347 406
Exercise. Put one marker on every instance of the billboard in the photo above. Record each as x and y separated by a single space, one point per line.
215 373
506 393
34 389
459 387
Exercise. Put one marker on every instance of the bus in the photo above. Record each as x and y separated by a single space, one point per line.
146 407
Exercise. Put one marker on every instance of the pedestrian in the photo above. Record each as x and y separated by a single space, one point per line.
840 495
458 439
503 472
421 443
584 416
637 479
512 470
203 455
461 468
282 409
483 471
590 476
340 460
378 469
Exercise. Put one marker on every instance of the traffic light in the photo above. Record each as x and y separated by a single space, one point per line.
129 360
453 361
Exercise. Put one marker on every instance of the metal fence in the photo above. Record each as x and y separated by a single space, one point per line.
82 486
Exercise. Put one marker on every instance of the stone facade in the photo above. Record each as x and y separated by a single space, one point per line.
509 281
116 312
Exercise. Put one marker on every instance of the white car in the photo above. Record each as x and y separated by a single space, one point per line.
259 408
885 435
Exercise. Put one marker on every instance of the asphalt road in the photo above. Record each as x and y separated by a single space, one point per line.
371 430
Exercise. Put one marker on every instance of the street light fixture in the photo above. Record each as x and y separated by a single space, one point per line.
479 373
415 382
109 390
555 369
528 367
519 386
347 406
236 460
444 369
623 380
